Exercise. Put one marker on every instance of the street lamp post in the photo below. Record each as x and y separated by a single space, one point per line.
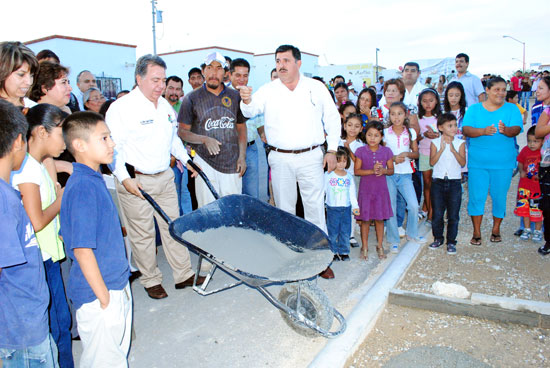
153 3
523 43
377 49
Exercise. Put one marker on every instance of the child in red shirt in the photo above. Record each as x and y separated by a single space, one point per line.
529 189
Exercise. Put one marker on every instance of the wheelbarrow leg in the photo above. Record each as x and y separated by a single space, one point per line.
202 289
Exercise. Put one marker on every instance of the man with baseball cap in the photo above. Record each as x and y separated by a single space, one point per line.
211 121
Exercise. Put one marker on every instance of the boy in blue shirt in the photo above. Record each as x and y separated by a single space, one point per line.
24 332
98 281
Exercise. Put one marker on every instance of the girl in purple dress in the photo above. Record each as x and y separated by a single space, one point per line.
373 163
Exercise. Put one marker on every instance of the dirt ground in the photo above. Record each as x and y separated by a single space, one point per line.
512 268
401 329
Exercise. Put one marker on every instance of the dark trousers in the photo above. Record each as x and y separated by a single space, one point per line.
446 196
338 225
60 317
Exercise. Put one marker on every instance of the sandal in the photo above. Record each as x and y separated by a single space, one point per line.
496 238
364 253
475 240
380 252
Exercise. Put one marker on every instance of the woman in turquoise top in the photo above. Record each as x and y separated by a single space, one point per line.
492 126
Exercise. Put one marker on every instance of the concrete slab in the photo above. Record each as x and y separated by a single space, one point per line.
499 309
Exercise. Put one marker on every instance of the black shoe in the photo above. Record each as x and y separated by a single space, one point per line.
344 257
134 275
336 258
436 244
518 232
451 248
353 243
545 249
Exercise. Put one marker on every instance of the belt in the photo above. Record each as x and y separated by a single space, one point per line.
292 151
250 143
140 173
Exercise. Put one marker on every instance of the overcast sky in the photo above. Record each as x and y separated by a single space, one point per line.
340 32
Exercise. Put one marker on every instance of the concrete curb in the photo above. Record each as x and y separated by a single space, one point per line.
365 314
494 308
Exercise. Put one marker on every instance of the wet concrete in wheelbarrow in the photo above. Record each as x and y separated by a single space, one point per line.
236 327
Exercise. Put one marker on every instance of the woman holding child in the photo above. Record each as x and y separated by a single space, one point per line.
491 126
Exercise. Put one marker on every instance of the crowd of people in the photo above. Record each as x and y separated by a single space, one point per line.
390 156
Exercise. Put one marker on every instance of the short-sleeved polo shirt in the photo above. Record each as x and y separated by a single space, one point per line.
89 219
24 295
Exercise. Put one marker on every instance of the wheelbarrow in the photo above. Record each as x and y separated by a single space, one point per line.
260 245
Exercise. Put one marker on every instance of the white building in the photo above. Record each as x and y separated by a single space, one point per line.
180 62
112 63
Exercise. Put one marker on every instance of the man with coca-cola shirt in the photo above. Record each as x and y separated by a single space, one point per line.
211 121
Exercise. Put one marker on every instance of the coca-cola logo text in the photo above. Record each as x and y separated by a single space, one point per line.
222 123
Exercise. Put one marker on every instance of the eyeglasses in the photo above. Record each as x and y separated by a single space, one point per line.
101 98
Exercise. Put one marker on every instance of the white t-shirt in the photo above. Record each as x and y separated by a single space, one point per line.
36 173
447 165
340 190
353 146
398 144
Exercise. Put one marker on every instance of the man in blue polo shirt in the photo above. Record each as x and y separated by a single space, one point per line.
472 84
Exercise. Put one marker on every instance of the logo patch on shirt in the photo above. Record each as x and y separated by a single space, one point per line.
146 122
226 101
223 123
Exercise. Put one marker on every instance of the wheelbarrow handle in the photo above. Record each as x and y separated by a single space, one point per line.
205 178
156 206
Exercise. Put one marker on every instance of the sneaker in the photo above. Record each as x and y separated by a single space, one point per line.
518 232
435 245
394 248
353 242
336 258
451 248
545 249
526 234
537 236
344 257
418 239
402 231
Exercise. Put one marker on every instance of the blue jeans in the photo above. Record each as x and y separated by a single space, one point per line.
338 225
446 195
402 183
524 99
401 204
184 197
43 355
251 178
60 316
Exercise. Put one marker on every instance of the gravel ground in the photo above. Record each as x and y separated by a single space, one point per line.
512 268
405 337
473 342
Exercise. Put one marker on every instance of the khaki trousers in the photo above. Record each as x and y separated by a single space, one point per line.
141 228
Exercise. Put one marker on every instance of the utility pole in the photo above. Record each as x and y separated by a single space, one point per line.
153 3
377 49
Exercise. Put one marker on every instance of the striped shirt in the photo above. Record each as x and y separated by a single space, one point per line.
216 117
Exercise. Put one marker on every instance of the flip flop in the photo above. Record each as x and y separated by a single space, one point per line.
496 238
475 241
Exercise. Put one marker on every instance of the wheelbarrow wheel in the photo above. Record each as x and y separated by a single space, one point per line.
314 305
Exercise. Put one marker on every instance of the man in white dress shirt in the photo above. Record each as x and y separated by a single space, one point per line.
143 126
84 81
297 111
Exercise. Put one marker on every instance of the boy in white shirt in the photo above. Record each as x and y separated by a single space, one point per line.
447 156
